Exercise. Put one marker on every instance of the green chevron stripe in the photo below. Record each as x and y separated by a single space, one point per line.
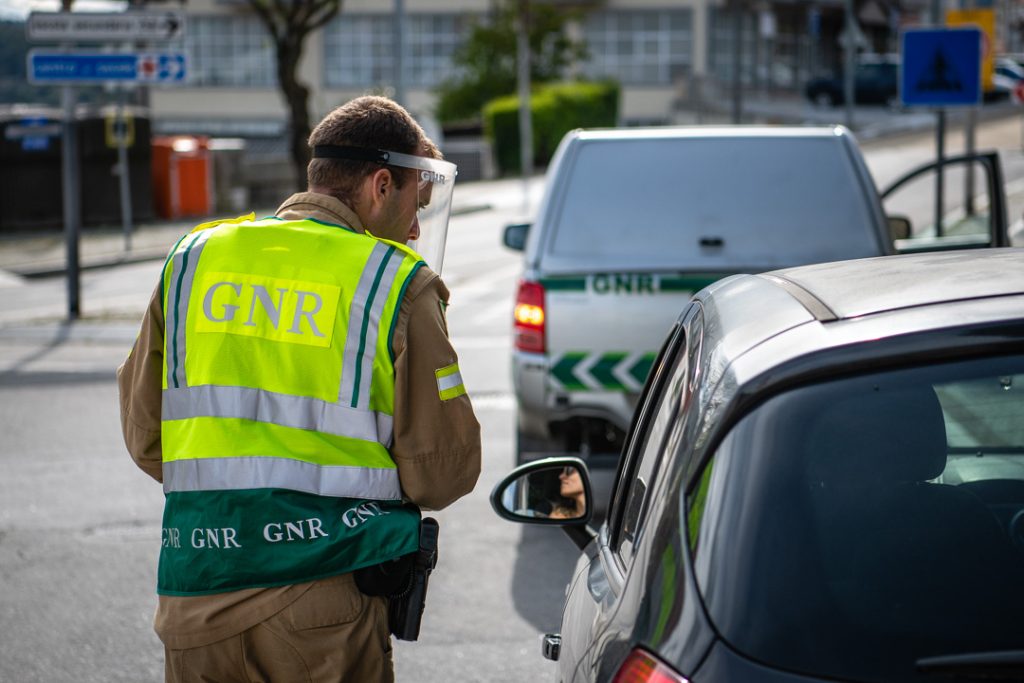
602 370
563 370
642 368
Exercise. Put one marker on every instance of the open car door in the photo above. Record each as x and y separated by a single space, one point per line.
966 209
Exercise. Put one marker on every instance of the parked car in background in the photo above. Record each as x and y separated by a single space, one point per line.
824 481
876 81
1007 75
634 221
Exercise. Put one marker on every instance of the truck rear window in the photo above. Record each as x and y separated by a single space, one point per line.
769 202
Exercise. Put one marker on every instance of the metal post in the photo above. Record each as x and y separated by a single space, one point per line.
525 124
850 65
970 129
123 172
940 143
737 62
969 144
399 28
72 204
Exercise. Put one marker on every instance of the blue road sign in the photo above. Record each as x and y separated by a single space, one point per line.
80 68
941 67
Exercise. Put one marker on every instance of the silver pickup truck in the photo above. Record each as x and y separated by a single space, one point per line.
634 221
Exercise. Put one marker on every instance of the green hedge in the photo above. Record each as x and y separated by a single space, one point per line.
555 110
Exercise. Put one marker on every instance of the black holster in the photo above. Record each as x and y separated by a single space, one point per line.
403 581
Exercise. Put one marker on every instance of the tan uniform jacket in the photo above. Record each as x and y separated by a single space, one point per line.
436 443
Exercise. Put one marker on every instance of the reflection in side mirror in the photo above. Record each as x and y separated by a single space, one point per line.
550 491
899 227
515 236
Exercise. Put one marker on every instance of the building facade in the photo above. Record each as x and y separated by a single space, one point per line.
668 55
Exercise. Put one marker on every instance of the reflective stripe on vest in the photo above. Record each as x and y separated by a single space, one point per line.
182 275
226 474
261 405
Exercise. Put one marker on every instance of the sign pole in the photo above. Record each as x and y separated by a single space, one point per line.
72 203
969 144
121 128
940 153
523 88
849 64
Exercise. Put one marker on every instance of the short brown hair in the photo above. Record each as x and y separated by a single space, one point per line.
370 122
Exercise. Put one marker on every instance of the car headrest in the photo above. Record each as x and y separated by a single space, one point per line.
878 434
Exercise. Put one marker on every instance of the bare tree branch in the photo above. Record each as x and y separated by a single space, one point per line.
289 23
327 9
262 10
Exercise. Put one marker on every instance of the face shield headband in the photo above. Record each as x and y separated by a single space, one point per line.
435 180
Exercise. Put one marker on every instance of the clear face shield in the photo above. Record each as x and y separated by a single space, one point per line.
435 181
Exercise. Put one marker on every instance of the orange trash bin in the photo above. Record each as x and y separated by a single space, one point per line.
182 176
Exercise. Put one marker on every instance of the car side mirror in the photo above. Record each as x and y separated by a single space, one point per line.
549 491
899 227
515 236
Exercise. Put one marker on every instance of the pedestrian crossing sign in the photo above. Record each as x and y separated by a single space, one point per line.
940 67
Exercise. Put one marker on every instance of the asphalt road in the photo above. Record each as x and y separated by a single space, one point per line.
79 524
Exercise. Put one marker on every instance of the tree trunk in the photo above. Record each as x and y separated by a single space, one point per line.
296 96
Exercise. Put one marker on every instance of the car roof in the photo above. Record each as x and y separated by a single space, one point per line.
764 332
663 132
756 323
849 289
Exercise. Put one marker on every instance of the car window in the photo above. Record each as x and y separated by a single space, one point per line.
967 215
663 432
663 417
885 509
704 203
636 435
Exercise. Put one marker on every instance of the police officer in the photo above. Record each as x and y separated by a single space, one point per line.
294 389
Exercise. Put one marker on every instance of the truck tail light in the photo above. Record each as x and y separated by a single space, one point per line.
529 317
643 667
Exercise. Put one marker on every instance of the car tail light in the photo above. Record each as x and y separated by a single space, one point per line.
643 667
529 317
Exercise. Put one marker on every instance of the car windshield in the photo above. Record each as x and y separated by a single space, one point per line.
711 203
852 528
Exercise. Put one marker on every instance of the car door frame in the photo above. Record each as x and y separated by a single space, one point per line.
607 570
999 230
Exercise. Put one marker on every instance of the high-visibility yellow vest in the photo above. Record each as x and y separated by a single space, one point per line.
278 399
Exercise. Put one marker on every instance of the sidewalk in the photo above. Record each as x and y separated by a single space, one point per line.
28 254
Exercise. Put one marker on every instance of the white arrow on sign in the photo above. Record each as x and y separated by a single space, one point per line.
105 26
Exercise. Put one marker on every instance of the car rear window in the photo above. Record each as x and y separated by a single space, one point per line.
854 529
767 202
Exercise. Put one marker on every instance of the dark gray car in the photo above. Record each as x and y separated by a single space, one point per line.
824 480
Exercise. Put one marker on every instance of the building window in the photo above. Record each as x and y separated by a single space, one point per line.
722 46
229 51
359 50
639 47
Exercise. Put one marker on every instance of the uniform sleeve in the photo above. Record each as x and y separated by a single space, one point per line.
436 434
139 385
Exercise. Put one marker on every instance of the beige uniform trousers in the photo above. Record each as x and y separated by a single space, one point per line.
332 634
